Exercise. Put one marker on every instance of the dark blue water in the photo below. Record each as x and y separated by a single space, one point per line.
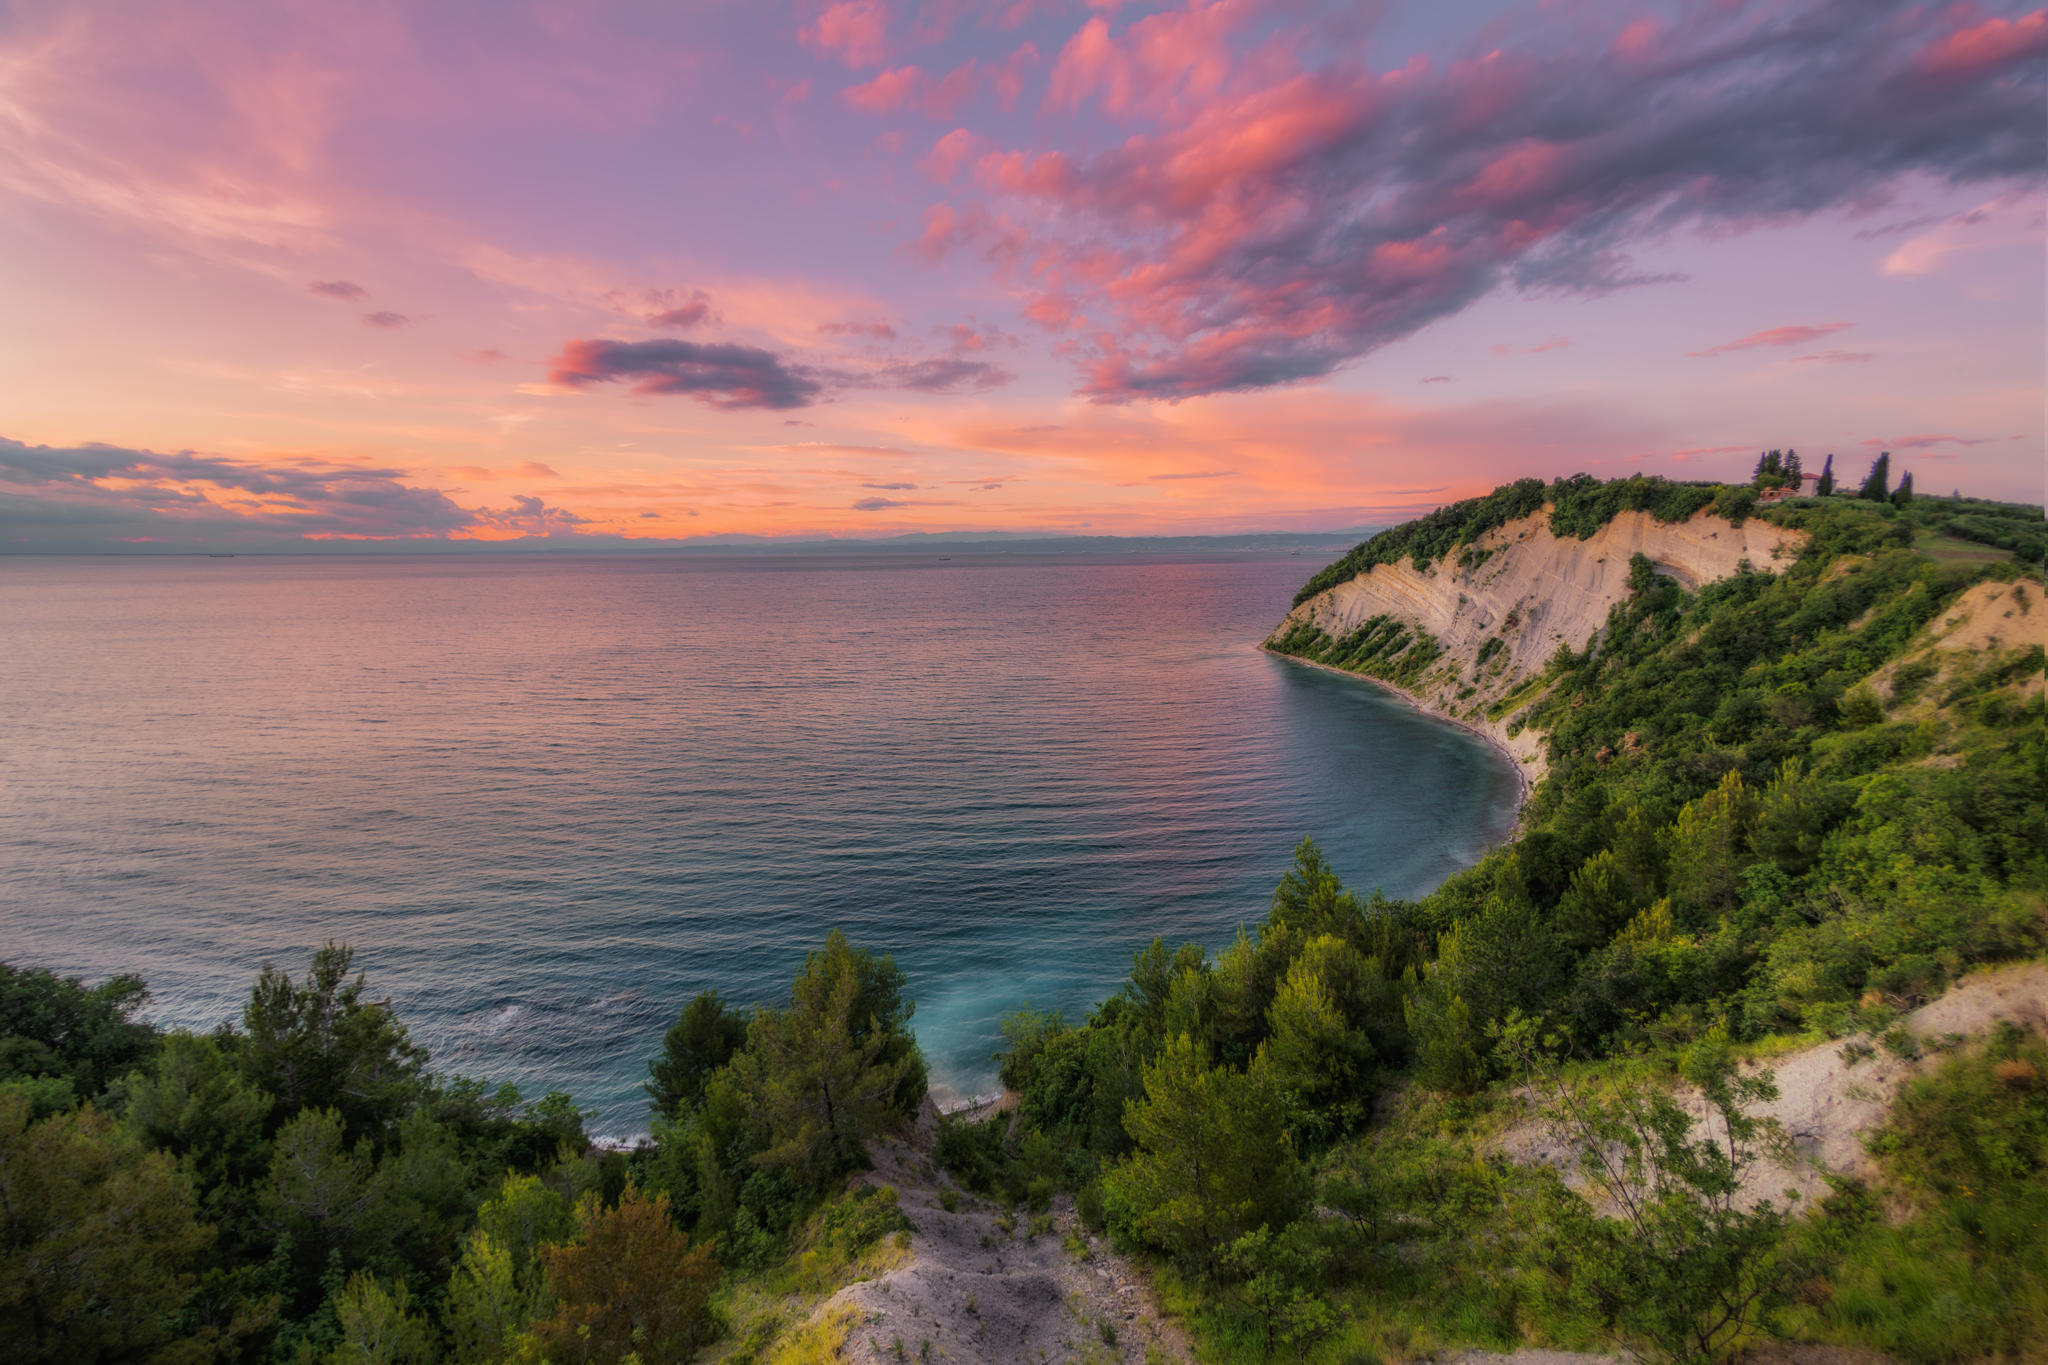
550 799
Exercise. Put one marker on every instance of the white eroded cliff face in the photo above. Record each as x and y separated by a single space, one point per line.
1531 591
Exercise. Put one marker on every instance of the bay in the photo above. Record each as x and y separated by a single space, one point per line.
549 798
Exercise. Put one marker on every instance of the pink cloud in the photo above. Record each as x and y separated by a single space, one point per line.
886 93
1926 442
1639 40
908 87
1548 344
1007 80
1776 336
1160 62
1529 169
854 31
1282 210
949 154
1836 357
1986 47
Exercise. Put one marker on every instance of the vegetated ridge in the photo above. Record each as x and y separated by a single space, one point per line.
1599 1091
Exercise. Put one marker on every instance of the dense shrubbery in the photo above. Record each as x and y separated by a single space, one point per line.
1738 838
1579 506
1430 538
1381 648
300 1188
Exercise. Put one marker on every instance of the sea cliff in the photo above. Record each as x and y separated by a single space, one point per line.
1468 636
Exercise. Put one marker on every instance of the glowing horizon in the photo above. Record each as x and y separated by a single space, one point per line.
290 273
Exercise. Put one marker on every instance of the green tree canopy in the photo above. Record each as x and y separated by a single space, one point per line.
319 1043
1213 1160
58 1027
95 1236
836 1065
702 1039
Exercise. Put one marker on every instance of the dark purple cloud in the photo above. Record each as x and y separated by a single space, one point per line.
946 374
110 493
387 319
720 374
680 311
345 290
529 516
726 375
877 504
664 307
879 331
891 487
689 315
1274 225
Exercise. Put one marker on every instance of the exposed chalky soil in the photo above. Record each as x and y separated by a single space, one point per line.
988 1284
1832 1095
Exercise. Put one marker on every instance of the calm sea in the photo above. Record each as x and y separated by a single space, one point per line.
548 799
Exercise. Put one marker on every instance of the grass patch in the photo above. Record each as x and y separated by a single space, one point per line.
1944 549
819 1343
851 1237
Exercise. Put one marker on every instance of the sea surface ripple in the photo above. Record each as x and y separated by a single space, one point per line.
549 798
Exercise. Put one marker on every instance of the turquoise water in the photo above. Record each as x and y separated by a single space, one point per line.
548 799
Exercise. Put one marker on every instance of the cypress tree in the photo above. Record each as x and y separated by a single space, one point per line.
1904 492
1877 483
1827 477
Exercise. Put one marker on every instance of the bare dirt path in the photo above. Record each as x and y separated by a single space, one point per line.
984 1284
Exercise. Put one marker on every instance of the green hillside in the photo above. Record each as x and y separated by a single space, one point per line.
1777 814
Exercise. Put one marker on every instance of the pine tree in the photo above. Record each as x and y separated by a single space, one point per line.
1827 477
703 1038
1877 484
1212 1162
1904 493
319 1044
834 1068
1794 475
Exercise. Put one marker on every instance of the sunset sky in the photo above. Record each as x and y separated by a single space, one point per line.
282 271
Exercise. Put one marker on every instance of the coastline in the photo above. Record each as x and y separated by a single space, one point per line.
1522 784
